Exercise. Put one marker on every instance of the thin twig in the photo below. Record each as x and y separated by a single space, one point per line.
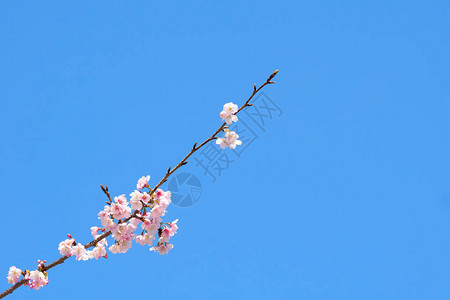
212 137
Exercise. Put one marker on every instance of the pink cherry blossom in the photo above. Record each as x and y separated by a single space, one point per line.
38 279
136 198
65 247
107 222
151 226
135 221
159 193
114 248
120 211
165 201
145 197
94 230
146 225
230 140
99 251
120 247
105 217
228 113
145 239
143 182
120 208
165 235
125 246
14 274
157 212
162 248
106 211
121 199
162 194
126 232
80 252
173 227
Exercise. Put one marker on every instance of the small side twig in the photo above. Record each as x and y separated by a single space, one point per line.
106 191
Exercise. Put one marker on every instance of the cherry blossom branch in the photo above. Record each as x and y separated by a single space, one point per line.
230 140
13 288
212 137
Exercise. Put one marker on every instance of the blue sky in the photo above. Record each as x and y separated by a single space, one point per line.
345 195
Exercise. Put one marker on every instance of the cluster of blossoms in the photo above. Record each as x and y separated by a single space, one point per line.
122 219
69 248
35 279
228 115
149 221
